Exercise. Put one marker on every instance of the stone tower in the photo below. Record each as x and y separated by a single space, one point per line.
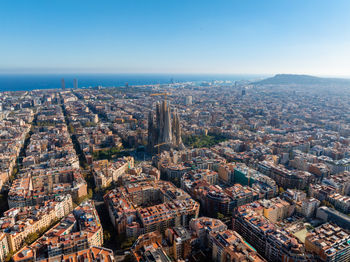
164 129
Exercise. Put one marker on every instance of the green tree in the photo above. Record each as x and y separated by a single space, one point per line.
106 235
220 216
90 193
71 129
9 256
31 238
14 171
127 243
198 141
309 227
281 190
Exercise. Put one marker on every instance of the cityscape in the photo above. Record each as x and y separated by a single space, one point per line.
186 171
175 131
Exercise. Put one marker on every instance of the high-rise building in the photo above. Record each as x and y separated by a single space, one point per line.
63 85
75 83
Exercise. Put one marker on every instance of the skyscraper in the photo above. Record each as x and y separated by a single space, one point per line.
63 85
75 83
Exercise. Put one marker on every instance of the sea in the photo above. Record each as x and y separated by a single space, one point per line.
27 82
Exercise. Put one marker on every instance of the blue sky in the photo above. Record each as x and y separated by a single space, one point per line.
176 36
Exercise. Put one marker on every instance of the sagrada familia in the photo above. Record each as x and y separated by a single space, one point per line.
164 131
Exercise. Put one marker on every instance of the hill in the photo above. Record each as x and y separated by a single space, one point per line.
289 79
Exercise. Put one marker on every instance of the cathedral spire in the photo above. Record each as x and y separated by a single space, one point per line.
166 130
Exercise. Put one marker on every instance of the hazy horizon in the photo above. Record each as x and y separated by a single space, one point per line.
17 82
94 73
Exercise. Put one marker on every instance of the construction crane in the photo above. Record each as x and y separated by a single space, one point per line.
161 144
162 94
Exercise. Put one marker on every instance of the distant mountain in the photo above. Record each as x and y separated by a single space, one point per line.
289 79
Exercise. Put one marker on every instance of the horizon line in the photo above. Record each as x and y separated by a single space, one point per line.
2 73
